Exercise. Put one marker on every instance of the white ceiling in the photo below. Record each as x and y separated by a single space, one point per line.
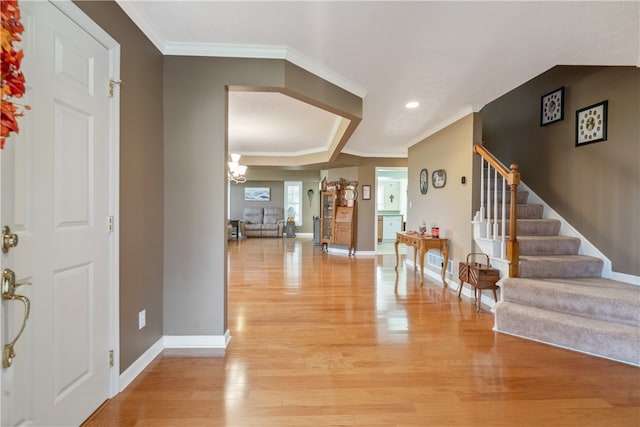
452 57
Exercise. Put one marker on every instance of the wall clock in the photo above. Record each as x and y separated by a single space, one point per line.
591 124
552 108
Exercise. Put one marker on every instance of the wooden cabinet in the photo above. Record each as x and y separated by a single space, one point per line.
345 228
392 224
337 223
328 208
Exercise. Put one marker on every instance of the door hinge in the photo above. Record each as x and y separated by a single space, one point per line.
112 84
111 358
110 220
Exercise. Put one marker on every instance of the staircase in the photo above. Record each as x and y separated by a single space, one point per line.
560 297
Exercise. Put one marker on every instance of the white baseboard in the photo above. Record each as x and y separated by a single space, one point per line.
140 364
626 278
197 341
171 341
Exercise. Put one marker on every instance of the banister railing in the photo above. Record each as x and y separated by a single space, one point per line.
509 249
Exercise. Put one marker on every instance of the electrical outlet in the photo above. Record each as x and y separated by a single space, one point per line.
142 319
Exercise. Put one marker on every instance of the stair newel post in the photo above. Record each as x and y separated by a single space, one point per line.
513 250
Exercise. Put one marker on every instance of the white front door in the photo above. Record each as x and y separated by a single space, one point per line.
55 196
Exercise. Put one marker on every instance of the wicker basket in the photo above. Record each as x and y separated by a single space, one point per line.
480 276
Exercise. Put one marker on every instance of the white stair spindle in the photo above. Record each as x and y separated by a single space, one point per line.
489 201
495 204
481 189
503 244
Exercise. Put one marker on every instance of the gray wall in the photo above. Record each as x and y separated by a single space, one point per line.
595 186
237 202
195 125
451 208
141 180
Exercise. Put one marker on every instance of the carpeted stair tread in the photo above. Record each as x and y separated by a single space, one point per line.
611 340
536 227
548 245
560 297
521 197
548 266
596 298
525 211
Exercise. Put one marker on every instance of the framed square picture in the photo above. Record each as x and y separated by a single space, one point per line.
591 124
552 107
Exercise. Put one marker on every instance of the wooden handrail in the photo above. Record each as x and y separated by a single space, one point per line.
512 176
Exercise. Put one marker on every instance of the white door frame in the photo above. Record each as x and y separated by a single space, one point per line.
88 25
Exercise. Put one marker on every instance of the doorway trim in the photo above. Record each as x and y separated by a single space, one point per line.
374 197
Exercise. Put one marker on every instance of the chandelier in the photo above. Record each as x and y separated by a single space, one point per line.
236 171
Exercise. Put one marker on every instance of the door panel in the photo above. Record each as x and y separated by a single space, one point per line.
73 166
56 197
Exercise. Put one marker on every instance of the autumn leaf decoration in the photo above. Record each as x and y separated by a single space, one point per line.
12 77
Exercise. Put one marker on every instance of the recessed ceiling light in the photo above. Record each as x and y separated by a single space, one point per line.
412 104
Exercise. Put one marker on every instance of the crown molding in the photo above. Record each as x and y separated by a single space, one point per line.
469 109
237 51
130 8
394 155
265 52
312 151
225 50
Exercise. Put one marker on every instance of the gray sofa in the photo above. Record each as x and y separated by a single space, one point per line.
262 222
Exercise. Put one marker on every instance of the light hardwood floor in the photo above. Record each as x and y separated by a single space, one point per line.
330 340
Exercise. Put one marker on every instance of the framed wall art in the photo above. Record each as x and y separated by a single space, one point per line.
591 124
439 178
424 178
552 107
366 192
257 194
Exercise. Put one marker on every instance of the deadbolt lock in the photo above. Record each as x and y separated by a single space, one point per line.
9 239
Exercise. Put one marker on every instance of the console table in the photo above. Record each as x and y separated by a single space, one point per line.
422 244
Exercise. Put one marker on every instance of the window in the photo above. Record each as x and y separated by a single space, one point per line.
293 200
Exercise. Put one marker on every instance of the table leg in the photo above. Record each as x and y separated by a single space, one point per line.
445 257
422 252
396 245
